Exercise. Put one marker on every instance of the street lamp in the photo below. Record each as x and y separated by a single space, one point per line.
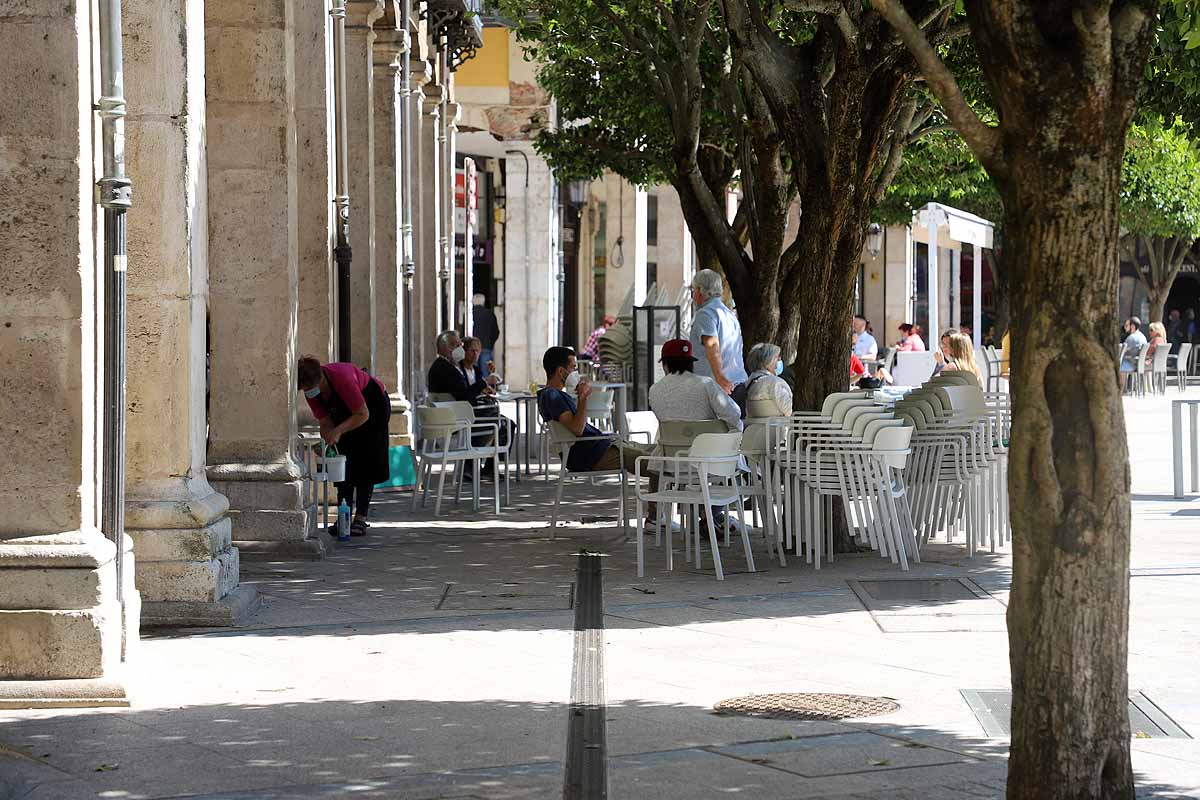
874 239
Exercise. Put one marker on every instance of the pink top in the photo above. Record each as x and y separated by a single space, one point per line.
347 381
910 343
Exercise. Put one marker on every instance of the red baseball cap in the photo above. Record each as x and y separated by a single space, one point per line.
677 348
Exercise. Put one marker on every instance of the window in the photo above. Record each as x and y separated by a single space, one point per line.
652 220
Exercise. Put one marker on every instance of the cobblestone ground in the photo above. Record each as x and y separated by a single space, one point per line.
434 659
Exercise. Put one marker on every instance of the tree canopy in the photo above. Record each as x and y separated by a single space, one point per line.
1160 182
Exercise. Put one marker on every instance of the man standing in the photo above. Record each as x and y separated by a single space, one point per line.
716 333
485 326
865 346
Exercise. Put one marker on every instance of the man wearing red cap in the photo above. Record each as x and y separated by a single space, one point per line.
683 396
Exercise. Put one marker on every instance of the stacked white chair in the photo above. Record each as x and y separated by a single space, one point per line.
1180 365
1158 369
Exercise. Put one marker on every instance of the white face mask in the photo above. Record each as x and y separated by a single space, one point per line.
571 382
458 354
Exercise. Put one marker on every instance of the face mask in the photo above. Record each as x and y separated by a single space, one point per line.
458 354
572 381
778 367
313 393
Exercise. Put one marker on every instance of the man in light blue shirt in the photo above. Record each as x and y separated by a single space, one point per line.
716 333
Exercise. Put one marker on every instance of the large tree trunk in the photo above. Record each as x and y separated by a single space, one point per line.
1158 301
1068 484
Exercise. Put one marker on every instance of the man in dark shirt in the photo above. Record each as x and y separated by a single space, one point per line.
446 375
593 454
485 325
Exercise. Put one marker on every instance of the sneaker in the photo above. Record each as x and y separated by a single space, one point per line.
653 526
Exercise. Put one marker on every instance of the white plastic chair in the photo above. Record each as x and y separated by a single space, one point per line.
705 477
1180 365
444 437
913 368
561 439
1158 369
600 409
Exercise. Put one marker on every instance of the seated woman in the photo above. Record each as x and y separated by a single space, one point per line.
960 355
765 390
910 339
1158 336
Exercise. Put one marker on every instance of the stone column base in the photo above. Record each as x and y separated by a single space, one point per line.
269 513
62 634
232 609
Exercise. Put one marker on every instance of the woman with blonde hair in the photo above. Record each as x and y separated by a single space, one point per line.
1158 336
960 354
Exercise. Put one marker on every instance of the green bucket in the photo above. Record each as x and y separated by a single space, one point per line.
400 463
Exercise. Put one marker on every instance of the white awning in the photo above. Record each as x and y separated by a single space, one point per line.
958 226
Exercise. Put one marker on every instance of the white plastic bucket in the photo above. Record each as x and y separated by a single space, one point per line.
333 468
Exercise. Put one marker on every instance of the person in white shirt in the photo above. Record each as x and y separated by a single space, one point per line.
682 395
865 347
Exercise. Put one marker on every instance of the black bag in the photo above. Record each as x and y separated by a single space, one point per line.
741 394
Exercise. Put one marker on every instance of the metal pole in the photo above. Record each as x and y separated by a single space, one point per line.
114 195
931 272
406 201
561 277
447 221
341 251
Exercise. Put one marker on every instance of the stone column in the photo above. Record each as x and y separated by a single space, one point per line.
253 275
361 16
61 624
452 112
187 569
423 326
529 283
314 181
389 285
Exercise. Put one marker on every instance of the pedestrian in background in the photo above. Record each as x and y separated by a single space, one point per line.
716 333
485 326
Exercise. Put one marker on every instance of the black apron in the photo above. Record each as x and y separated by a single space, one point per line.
365 447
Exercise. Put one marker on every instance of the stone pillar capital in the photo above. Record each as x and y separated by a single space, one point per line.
362 14
420 72
388 50
453 113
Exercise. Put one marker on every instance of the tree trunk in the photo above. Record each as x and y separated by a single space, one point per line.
1068 476
1158 301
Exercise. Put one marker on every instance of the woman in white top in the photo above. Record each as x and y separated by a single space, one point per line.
767 395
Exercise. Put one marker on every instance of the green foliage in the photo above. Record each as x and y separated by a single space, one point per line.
1160 182
1172 88
939 168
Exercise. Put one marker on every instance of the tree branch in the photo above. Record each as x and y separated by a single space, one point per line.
982 139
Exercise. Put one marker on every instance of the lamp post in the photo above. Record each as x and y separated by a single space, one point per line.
341 250
874 239
114 195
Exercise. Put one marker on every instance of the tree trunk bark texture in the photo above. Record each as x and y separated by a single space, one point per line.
1064 76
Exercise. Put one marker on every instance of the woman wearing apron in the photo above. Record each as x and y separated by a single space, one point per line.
353 410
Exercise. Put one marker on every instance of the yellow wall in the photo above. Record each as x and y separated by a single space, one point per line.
489 67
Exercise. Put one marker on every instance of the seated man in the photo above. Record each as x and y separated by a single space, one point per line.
592 454
682 395
448 377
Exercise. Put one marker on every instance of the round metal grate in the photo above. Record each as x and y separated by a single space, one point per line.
810 705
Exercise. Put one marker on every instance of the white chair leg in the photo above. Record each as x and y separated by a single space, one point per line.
562 476
745 535
641 544
712 538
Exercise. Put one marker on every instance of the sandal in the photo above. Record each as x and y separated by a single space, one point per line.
358 528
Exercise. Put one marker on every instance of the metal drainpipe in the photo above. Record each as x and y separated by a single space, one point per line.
341 251
445 274
406 225
114 195
529 335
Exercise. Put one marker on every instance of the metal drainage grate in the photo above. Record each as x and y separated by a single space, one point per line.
811 705
1146 719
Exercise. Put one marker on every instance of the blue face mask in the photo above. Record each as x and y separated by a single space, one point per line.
779 367
313 393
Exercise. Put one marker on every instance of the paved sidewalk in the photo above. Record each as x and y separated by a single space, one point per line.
434 659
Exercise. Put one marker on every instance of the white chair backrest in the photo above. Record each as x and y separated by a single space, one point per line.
965 398
912 369
894 441
463 410
642 422
1185 352
843 408
441 397
676 435
864 422
436 422
765 407
600 401
560 434
717 445
1160 357
832 401
850 421
874 426
956 377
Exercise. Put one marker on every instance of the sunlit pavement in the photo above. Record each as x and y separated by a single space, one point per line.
434 659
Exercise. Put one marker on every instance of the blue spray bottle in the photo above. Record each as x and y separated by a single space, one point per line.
343 522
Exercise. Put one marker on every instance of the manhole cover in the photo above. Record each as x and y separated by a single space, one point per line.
808 706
